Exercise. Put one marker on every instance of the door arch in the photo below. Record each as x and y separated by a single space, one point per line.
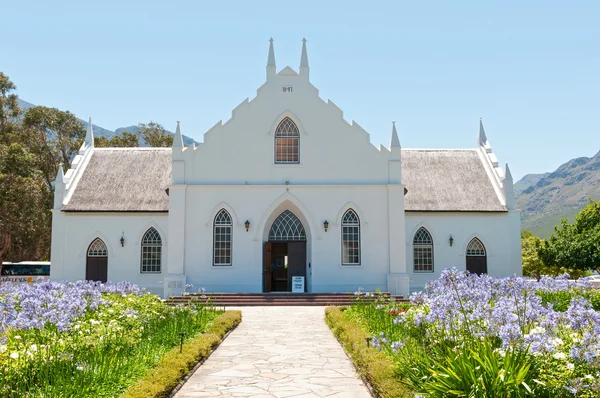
476 256
96 265
285 253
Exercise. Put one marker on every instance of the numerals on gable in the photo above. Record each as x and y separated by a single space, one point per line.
287 89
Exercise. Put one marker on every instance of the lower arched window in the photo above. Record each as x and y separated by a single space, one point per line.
151 251
223 226
422 251
350 238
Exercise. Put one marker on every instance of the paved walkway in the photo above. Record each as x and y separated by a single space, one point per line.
277 352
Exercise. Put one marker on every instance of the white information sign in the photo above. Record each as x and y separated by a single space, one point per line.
297 284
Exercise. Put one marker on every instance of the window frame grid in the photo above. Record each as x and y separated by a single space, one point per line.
476 248
151 252
423 253
351 229
95 250
222 247
287 142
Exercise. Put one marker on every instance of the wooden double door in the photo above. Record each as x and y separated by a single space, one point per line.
281 262
96 269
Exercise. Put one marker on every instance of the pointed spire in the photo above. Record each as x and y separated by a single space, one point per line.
304 58
271 60
507 174
394 142
60 175
482 138
89 137
178 139
509 191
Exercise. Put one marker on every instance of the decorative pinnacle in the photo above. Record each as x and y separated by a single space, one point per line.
507 173
394 142
482 137
178 139
304 57
271 59
60 174
89 137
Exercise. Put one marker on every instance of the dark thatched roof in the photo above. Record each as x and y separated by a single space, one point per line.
135 179
447 180
132 179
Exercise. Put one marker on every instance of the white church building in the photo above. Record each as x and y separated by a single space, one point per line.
285 189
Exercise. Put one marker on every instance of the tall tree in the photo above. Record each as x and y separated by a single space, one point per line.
54 137
577 244
155 135
9 109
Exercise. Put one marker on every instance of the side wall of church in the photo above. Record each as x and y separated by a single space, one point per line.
74 232
497 232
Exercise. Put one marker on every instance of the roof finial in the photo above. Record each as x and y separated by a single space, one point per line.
178 139
394 142
89 137
482 138
304 57
271 60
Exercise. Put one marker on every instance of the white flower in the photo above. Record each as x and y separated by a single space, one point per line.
80 368
558 341
17 337
570 366
14 355
3 349
559 355
34 348
589 377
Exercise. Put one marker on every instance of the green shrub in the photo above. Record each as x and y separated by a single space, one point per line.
375 366
174 366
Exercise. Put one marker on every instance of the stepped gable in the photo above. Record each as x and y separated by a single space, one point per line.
123 179
447 180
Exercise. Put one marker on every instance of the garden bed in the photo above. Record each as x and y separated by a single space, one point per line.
88 339
469 335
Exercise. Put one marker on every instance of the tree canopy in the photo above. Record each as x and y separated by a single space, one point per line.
575 245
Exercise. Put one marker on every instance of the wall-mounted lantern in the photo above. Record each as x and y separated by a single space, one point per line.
325 225
122 240
247 224
451 240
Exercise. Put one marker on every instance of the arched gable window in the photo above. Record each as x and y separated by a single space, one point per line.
287 142
287 227
350 238
151 251
422 251
476 257
223 231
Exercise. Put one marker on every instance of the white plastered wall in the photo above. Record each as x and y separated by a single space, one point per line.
74 232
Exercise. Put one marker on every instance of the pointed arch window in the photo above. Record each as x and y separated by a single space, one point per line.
422 251
287 142
151 252
223 231
475 248
287 227
97 249
350 238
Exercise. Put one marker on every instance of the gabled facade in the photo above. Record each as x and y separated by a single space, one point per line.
285 188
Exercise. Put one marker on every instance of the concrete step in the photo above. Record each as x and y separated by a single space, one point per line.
275 299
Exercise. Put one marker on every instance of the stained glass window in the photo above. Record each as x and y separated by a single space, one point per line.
423 251
287 142
350 238
151 251
223 230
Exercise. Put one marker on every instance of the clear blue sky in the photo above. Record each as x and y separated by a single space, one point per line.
530 69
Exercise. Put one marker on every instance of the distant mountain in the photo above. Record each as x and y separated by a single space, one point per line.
561 194
527 181
102 132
